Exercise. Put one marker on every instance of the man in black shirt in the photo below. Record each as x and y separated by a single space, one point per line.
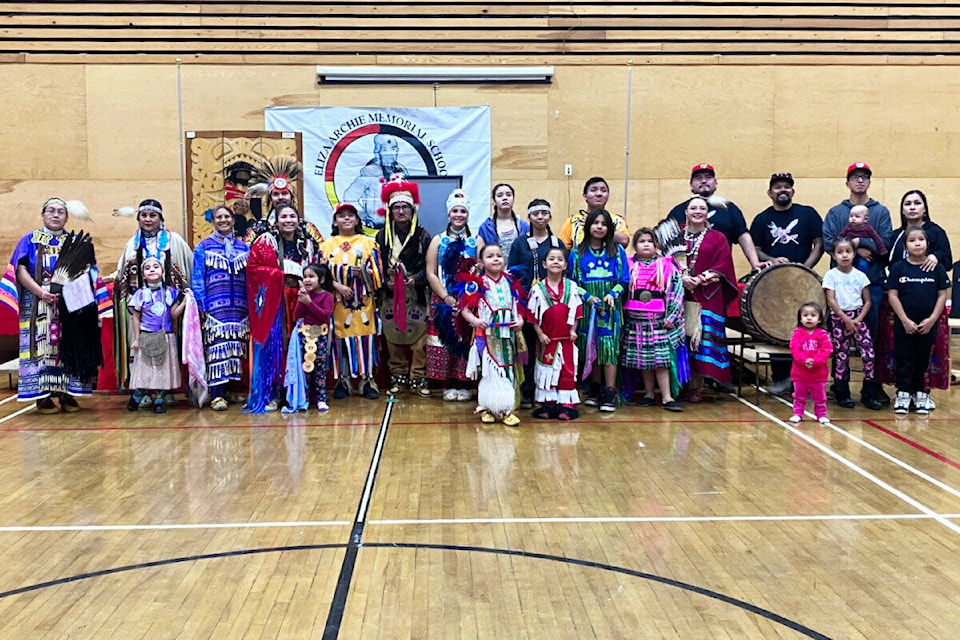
724 215
786 232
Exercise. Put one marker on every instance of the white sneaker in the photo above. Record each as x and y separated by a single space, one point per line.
921 403
823 420
450 395
901 404
322 406
931 404
795 419
464 395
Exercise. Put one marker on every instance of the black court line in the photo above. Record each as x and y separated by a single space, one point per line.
163 563
741 604
746 606
331 630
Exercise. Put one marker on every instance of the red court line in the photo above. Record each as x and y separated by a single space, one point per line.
189 426
572 423
915 445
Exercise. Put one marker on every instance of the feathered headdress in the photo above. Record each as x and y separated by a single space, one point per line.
397 189
275 174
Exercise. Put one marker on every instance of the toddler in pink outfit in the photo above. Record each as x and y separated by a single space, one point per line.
811 348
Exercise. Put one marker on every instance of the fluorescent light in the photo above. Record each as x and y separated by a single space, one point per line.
377 74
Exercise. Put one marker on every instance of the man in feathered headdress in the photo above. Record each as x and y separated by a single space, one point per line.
274 181
403 300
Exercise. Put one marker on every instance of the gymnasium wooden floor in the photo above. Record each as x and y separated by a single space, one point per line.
409 519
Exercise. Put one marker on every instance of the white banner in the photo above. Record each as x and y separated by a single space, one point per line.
347 150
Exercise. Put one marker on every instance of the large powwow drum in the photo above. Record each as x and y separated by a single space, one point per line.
772 296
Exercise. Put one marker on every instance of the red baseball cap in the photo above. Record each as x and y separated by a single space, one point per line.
859 166
703 166
345 206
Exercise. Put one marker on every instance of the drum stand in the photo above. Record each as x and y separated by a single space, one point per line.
745 349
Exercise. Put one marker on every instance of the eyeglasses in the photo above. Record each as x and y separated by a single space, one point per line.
859 177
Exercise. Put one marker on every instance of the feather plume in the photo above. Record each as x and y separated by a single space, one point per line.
75 259
125 212
78 210
257 190
717 201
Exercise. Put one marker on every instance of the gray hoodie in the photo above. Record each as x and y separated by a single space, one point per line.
878 218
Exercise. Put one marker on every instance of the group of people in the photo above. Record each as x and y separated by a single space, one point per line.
514 315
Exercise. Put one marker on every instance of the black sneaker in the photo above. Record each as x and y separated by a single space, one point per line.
593 395
369 391
133 404
847 403
673 405
609 401
340 392
159 407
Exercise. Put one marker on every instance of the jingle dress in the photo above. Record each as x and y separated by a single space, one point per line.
220 287
654 297
600 275
355 262
557 313
41 372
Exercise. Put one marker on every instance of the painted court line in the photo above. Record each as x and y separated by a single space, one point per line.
165 527
195 427
8 399
897 461
854 467
667 519
29 407
460 521
914 444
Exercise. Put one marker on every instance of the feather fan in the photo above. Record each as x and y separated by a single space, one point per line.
75 259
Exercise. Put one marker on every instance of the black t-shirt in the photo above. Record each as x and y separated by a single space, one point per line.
916 288
787 234
729 221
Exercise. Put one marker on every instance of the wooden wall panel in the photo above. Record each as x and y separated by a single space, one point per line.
115 140
44 123
20 202
132 118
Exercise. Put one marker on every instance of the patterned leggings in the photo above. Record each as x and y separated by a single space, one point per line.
841 347
317 379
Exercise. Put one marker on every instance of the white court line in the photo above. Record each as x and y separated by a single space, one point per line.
897 461
344 523
847 463
628 519
165 527
6 400
17 413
